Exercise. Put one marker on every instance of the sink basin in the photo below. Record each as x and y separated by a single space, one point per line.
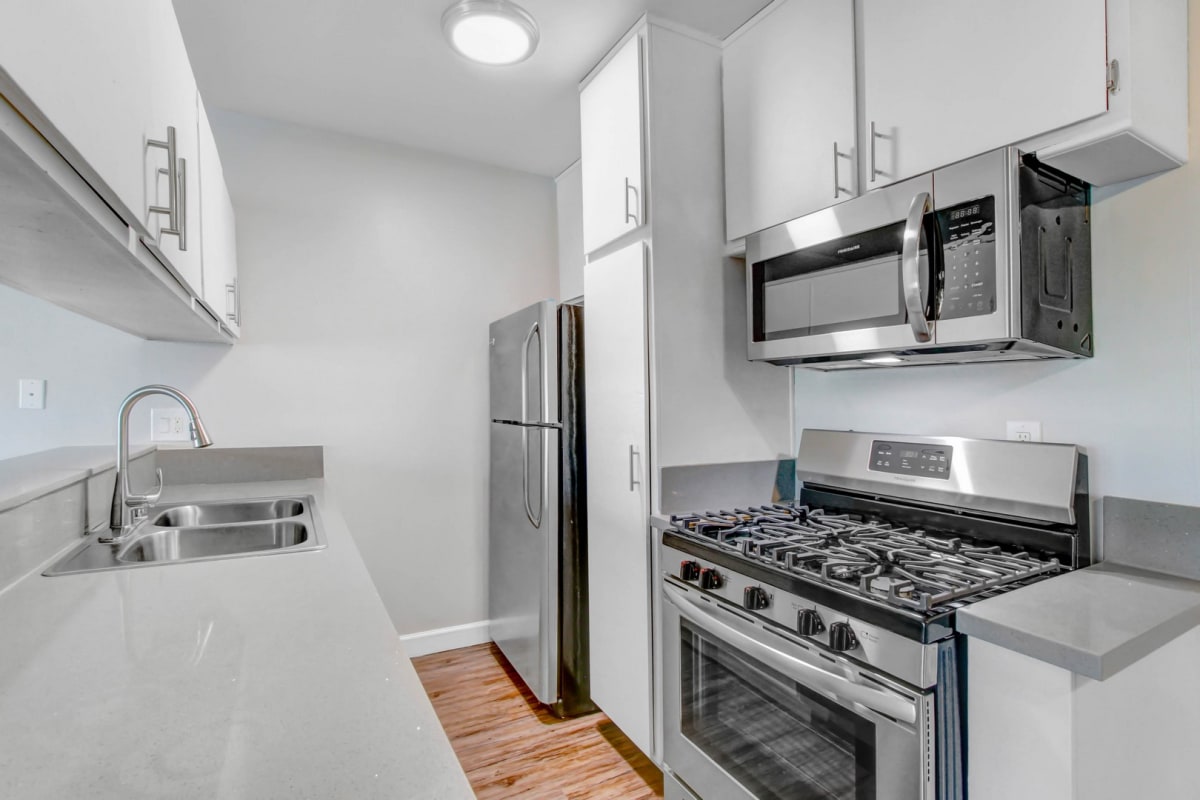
184 544
195 515
203 532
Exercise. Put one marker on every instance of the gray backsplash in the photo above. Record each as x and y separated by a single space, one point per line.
241 464
1160 537
33 532
703 487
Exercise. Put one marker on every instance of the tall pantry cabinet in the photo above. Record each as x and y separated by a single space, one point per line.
663 304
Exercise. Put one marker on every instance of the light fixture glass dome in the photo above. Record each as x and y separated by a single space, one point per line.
490 31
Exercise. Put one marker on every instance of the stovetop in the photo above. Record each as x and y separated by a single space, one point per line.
910 569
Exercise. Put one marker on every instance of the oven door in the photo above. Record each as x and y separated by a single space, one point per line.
750 714
859 277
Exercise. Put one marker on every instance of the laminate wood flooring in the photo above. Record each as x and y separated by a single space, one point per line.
511 746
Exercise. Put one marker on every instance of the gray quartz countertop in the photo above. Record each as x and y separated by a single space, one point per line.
1094 621
26 477
273 676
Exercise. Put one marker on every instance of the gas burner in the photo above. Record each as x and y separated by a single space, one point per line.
905 567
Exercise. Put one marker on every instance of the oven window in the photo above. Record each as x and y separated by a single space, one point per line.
771 734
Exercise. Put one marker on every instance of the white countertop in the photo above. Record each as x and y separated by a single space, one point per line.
273 676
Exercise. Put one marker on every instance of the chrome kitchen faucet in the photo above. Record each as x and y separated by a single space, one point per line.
128 508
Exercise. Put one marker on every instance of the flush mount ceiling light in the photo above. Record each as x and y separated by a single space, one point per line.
490 31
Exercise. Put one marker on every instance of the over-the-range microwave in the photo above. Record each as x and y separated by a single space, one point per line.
985 260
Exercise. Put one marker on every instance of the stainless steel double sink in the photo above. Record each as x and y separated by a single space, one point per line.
185 532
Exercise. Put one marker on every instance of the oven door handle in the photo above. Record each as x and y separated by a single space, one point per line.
910 266
898 708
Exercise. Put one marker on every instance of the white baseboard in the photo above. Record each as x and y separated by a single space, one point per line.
440 639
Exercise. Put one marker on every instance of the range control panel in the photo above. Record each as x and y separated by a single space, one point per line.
968 234
905 458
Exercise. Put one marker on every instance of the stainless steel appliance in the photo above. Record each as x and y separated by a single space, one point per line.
809 649
985 260
537 530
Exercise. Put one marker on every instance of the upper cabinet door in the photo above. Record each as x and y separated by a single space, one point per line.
788 87
172 101
944 80
85 71
610 109
218 234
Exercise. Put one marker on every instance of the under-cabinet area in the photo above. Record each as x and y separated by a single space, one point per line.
720 400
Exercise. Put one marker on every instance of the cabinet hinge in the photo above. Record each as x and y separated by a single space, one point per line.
1114 76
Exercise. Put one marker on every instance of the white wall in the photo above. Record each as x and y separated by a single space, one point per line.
369 276
1134 406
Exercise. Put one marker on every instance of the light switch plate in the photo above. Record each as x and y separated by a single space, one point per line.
32 393
170 425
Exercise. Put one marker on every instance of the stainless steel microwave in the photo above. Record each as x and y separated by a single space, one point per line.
985 260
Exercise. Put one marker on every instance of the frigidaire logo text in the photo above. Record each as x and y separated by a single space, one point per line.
849 249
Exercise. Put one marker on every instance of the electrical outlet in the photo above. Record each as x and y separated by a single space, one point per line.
1025 431
32 393
170 425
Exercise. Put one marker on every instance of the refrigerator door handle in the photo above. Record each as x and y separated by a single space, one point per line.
535 521
534 329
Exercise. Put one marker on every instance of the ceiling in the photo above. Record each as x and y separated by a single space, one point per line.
381 69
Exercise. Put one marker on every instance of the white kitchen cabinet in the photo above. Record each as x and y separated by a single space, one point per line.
218 233
615 351
610 109
944 80
104 84
1040 732
788 84
87 69
569 200
1145 129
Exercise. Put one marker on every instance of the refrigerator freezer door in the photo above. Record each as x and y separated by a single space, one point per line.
523 573
524 365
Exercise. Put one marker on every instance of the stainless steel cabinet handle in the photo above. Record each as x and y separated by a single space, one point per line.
231 293
181 204
633 472
847 691
875 173
910 264
176 171
837 183
632 216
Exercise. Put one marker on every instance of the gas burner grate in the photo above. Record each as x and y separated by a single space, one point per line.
905 567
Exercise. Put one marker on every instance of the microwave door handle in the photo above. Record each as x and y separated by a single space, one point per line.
910 266
893 706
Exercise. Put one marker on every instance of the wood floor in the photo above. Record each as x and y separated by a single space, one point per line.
511 746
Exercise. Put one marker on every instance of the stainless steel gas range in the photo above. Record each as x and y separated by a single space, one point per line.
809 649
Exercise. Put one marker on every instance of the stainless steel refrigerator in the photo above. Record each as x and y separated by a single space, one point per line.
537 530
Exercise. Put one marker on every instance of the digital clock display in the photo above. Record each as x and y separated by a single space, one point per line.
963 213
908 453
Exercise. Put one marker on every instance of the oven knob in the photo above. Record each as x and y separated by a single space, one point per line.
710 578
809 622
755 598
689 570
841 637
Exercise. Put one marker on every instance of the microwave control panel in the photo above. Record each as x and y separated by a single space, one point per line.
968 233
905 458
